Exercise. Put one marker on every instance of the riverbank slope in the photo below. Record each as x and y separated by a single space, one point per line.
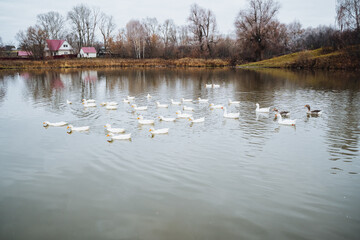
322 58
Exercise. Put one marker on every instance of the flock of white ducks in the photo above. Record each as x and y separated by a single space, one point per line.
118 133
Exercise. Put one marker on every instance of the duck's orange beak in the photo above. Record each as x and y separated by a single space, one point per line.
68 127
108 135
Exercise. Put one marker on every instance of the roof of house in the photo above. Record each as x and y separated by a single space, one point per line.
88 49
24 53
54 45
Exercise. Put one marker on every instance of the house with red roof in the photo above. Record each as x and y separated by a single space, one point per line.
24 54
57 47
87 52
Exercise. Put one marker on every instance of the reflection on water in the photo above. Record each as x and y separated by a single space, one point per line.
222 179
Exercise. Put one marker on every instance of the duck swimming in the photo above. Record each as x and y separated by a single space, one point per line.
175 103
159 131
166 119
71 128
313 112
282 113
159 105
119 137
114 130
286 121
56 124
230 115
183 115
143 121
261 110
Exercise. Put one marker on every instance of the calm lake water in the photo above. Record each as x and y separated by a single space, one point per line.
222 179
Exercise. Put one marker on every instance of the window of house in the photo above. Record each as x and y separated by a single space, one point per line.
65 45
65 52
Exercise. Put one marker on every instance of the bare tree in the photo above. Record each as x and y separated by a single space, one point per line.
53 23
33 41
254 25
168 36
135 35
203 26
294 36
107 26
348 14
84 21
117 44
152 39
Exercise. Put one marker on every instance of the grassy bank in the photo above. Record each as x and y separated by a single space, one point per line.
110 62
348 58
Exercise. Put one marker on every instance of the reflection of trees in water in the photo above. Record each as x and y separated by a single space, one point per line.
51 87
3 88
317 80
343 126
45 88
5 77
138 81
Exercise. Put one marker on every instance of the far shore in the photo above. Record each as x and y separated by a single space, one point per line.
345 59
111 63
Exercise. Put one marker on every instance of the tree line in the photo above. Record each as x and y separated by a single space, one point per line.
258 33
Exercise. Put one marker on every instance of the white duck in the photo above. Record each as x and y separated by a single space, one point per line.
143 121
159 105
112 103
215 85
89 104
126 101
149 96
114 130
183 115
230 115
186 100
108 103
89 100
111 107
143 108
218 106
203 100
286 121
159 131
233 102
208 85
262 110
166 119
55 124
119 137
78 129
185 108
199 120
175 103
130 98
68 102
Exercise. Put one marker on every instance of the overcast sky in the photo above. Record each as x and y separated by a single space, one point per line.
17 15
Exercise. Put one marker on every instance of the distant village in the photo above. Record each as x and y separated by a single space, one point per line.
54 49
